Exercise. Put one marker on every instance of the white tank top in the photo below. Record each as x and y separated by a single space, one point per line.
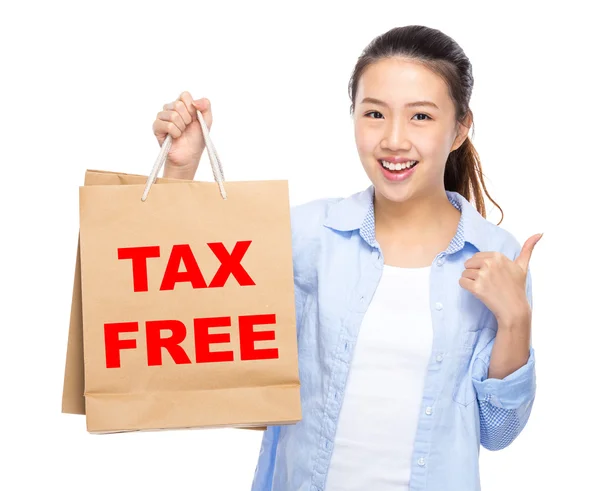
378 419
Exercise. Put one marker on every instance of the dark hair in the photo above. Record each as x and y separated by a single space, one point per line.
441 54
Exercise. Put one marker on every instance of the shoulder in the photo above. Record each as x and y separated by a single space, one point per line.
501 240
485 235
341 214
307 223
308 218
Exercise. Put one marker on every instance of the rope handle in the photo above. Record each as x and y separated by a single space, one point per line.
215 162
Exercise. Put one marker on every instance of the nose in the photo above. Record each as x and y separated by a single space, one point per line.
395 136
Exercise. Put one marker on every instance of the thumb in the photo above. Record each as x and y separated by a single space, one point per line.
201 104
526 251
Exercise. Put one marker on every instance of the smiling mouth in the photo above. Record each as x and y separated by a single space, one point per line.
398 168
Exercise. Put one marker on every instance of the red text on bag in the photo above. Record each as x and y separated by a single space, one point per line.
202 340
230 265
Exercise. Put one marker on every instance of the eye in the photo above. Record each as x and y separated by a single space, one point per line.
418 114
422 114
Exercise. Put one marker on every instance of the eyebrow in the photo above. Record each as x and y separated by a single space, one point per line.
372 100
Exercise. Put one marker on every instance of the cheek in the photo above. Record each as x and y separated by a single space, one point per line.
366 141
430 146
434 150
366 145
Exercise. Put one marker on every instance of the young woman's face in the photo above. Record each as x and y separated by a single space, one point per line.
397 128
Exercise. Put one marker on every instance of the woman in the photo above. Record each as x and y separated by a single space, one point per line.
413 311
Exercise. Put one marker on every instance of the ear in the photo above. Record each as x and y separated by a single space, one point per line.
462 131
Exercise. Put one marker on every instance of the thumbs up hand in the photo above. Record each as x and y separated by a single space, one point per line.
500 282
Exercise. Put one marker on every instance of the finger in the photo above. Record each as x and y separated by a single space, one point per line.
486 259
163 128
477 262
172 116
489 255
187 99
178 107
203 105
471 274
525 256
467 284
182 110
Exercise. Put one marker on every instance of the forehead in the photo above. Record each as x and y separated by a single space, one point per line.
398 81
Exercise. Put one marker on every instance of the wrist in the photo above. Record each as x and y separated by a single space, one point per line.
186 171
518 319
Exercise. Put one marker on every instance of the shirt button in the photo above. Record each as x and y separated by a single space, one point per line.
440 261
439 357
438 306
428 411
421 461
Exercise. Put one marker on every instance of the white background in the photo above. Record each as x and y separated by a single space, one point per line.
81 85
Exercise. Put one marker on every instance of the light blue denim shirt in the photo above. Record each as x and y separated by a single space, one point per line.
337 267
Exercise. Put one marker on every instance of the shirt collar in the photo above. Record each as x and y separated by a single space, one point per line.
356 212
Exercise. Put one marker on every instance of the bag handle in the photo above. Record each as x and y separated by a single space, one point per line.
215 162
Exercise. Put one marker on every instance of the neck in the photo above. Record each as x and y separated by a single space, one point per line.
414 220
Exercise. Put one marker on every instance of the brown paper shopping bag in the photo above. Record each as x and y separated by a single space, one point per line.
183 304
73 401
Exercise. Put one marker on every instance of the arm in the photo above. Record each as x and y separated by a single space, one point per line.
265 468
505 382
263 473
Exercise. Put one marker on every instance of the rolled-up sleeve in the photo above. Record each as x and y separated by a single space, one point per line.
513 391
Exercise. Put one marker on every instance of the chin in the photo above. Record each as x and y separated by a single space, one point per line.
393 191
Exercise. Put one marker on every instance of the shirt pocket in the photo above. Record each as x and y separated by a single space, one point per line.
474 315
464 391
475 318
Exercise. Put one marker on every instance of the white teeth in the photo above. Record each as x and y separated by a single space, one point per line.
391 166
